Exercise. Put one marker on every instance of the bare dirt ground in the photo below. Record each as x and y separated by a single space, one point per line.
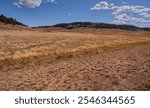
75 60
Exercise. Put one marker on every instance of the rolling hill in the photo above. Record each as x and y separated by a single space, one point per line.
6 20
96 26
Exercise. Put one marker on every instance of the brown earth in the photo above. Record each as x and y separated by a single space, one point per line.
84 59
13 27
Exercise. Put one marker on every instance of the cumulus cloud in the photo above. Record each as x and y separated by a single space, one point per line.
124 18
122 14
146 15
101 5
31 3
127 8
52 1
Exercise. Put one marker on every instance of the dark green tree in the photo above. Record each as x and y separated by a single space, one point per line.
11 20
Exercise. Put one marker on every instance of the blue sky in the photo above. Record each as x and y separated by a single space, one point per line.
49 12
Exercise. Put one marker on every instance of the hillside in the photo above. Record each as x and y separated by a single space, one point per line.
75 25
6 20
11 21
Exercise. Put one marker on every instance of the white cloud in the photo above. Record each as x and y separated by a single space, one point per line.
120 9
146 15
144 25
124 18
52 1
127 8
101 5
121 12
31 3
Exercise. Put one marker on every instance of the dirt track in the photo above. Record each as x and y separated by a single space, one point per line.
126 69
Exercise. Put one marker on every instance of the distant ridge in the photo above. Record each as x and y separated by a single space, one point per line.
6 20
95 25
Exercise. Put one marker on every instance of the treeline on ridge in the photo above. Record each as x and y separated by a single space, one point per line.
11 20
96 25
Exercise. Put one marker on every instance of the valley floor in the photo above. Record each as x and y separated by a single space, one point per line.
77 59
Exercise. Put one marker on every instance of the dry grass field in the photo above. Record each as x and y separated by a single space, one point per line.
77 59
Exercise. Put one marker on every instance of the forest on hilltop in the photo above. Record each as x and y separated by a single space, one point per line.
7 20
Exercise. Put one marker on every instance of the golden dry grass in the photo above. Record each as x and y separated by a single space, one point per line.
29 46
